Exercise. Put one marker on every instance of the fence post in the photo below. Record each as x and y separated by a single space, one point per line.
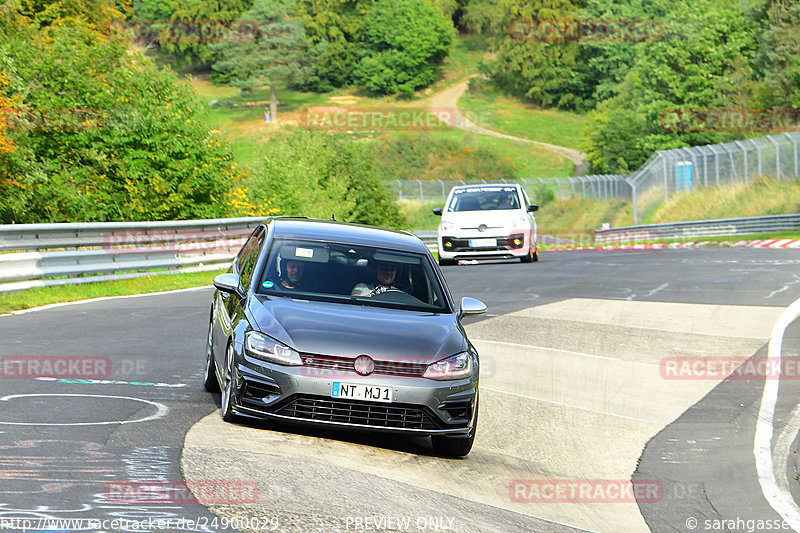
635 207
758 147
744 152
777 156
421 194
443 195
794 143
400 188
666 178
716 166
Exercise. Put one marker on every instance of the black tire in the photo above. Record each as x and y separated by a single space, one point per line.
528 258
446 262
450 447
535 256
228 394
210 381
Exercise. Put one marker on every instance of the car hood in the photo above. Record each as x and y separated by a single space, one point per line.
350 330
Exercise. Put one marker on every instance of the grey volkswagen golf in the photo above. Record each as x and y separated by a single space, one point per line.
326 323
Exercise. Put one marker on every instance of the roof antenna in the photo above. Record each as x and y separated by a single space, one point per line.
333 217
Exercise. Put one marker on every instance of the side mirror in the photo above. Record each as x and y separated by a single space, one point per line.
532 208
437 211
472 307
228 283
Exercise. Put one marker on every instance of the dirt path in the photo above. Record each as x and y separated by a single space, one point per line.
449 99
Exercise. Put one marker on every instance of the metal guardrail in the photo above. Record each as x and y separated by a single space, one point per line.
85 253
700 229
89 252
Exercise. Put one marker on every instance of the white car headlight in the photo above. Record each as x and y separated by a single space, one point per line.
446 226
262 347
455 367
522 222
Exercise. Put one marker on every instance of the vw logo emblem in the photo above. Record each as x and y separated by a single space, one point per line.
482 227
364 365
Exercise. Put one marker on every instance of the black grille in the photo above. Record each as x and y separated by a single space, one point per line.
339 365
362 413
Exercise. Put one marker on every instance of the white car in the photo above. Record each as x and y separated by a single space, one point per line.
487 222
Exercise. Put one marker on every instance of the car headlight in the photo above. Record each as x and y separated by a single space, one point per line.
262 347
446 226
522 222
455 367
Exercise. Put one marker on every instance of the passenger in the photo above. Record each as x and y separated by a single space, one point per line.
292 273
385 275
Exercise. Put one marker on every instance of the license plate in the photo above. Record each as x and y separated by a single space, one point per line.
482 243
354 391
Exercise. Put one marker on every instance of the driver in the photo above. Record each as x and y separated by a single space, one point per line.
292 273
385 275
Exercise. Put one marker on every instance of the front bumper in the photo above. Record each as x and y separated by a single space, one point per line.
302 395
507 246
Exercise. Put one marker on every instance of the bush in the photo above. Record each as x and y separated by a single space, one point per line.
318 175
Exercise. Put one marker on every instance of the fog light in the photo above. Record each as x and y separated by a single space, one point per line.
517 242
448 244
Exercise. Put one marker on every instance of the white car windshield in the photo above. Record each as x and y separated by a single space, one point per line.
483 199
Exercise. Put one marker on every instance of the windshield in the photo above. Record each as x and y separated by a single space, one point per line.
483 199
364 275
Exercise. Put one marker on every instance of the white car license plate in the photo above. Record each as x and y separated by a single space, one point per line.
482 243
353 391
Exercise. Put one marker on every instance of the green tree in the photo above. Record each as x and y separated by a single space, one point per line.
403 44
102 134
280 51
336 24
779 56
703 62
317 175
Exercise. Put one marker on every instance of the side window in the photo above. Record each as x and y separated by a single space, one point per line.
250 261
245 251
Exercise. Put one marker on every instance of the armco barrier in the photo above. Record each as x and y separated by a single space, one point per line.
700 229
100 251
39 255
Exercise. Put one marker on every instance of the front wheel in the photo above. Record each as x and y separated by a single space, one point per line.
450 447
228 379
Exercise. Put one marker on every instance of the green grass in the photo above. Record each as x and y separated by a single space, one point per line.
495 111
528 160
14 301
420 214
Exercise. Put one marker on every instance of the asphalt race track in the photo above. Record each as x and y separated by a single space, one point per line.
598 368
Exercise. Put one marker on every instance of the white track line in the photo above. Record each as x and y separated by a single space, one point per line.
779 500
123 296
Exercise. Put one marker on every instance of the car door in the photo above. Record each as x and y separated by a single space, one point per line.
228 306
